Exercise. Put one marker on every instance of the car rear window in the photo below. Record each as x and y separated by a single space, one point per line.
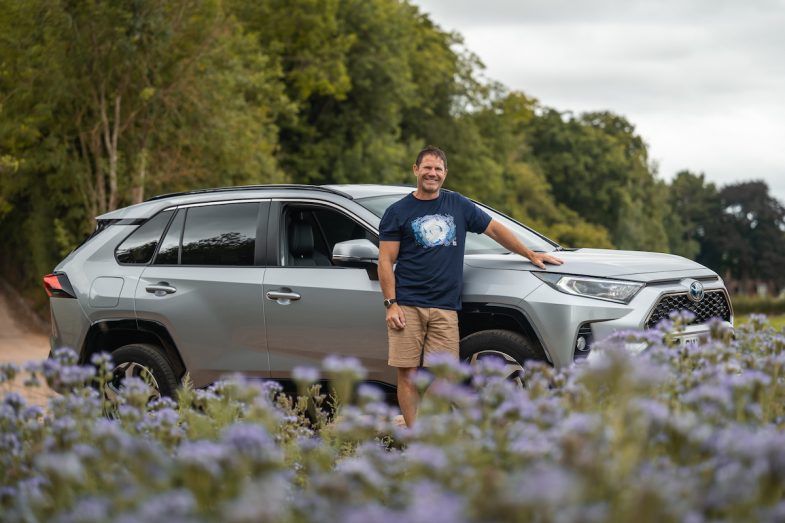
138 248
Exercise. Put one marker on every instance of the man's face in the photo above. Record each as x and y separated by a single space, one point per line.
430 174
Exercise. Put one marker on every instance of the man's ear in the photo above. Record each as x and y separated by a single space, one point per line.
414 169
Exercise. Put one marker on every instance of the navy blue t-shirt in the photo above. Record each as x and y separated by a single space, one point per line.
432 234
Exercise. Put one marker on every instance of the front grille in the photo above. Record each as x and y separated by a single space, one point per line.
713 305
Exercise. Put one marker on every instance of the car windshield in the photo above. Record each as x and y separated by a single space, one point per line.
475 243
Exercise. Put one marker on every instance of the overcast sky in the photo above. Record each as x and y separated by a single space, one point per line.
703 81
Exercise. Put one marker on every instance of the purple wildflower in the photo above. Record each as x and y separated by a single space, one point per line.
264 500
304 376
171 506
362 471
367 393
344 366
63 465
253 442
14 400
89 510
430 502
430 457
8 372
203 457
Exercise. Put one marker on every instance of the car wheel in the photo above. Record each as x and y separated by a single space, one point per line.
145 362
512 348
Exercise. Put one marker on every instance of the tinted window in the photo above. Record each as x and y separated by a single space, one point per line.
140 245
169 252
339 228
312 232
220 234
303 243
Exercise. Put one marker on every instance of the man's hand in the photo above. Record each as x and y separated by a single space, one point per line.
504 237
540 259
395 317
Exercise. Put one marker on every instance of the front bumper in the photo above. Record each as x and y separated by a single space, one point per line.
558 318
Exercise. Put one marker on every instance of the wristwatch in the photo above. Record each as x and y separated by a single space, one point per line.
389 302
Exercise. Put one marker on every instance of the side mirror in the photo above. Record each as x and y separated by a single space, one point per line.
356 253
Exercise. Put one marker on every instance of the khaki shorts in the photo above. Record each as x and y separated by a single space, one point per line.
428 331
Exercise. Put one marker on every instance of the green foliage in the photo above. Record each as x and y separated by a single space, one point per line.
495 149
747 237
598 167
373 81
751 304
694 206
105 103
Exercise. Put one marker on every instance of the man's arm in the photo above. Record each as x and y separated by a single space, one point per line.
504 237
388 254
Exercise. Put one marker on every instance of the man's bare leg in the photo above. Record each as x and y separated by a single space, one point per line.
407 394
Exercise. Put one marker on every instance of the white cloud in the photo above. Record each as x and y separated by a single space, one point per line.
703 81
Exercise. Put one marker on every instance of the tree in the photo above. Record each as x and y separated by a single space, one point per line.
102 102
152 80
508 176
598 167
746 239
373 81
694 205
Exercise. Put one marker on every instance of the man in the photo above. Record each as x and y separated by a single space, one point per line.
425 233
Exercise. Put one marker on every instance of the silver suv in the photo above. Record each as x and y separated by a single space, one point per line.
262 279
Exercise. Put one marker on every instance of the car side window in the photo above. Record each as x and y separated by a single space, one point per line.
220 234
169 251
337 228
311 232
138 248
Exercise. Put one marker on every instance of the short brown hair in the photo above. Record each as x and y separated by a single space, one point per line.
432 150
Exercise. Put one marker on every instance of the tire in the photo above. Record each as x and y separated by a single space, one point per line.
511 347
144 361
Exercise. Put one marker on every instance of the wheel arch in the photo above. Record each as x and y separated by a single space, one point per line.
109 335
476 317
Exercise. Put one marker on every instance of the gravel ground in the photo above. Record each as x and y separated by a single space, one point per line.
21 340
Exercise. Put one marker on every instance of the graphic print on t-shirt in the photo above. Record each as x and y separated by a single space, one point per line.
434 230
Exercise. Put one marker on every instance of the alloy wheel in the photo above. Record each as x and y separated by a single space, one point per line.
512 369
128 370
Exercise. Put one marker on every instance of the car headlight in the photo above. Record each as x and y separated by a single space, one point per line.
620 291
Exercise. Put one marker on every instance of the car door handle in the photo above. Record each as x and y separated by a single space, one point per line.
281 295
160 288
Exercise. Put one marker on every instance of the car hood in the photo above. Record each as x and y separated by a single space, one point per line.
603 263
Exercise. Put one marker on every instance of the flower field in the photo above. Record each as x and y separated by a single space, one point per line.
681 434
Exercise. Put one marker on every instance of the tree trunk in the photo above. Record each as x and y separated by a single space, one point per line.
86 182
100 186
111 133
137 193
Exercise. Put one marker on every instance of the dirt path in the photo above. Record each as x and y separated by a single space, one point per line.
20 343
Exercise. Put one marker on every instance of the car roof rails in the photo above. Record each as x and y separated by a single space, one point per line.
252 187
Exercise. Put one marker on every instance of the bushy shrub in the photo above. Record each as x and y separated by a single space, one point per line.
750 304
678 433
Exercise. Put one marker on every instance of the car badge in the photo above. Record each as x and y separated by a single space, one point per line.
696 291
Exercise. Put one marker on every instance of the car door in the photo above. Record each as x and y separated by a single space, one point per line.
314 308
205 287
